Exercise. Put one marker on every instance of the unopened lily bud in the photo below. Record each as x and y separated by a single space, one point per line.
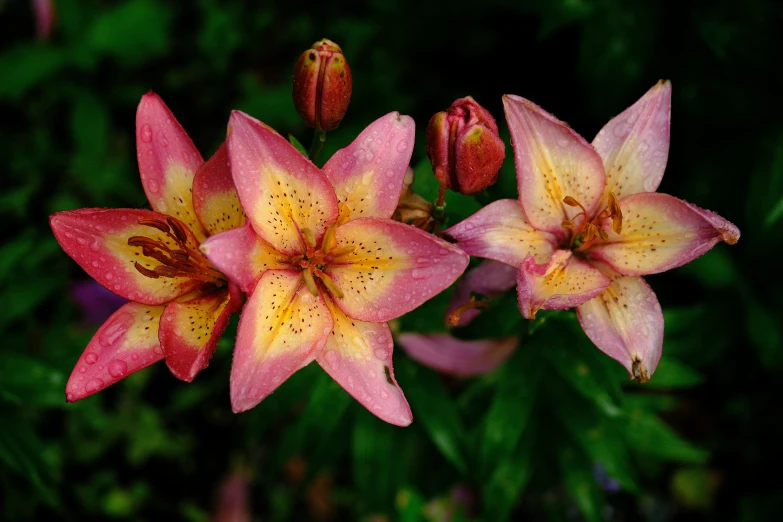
464 147
322 85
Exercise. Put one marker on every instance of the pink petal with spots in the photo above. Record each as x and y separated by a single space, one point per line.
552 162
242 256
500 231
392 269
281 191
489 279
562 283
660 232
190 330
626 323
97 239
635 145
446 354
367 175
125 343
215 198
168 162
358 355
283 327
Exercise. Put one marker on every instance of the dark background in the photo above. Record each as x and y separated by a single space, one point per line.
701 441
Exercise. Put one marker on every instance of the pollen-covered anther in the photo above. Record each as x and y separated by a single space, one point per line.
473 303
182 261
640 373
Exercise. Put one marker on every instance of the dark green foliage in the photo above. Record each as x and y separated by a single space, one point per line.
535 440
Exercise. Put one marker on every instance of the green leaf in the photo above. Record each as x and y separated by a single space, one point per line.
512 407
508 479
28 380
581 484
133 31
297 144
433 407
672 373
578 367
647 434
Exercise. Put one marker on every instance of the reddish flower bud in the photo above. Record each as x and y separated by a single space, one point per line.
464 147
322 85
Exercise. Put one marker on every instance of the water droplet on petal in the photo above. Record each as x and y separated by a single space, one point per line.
90 358
93 385
118 368
146 133
153 185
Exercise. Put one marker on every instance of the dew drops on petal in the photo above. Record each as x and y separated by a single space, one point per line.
93 385
90 358
118 368
146 133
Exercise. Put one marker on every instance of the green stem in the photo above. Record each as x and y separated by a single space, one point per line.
319 138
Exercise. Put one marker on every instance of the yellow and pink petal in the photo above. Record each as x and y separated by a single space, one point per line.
282 192
500 231
243 256
452 356
553 162
97 239
564 282
660 232
215 198
358 355
386 269
634 145
283 327
168 162
367 175
125 343
190 330
626 323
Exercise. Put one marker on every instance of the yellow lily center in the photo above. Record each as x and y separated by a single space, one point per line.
175 256
314 259
584 230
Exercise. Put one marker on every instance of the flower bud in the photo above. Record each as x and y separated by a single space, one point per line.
322 85
464 147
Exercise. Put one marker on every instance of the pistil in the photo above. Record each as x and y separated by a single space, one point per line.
587 231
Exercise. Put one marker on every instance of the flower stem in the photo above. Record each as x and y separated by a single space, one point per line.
319 138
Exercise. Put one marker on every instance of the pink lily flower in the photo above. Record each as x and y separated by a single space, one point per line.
588 224
456 357
323 263
179 303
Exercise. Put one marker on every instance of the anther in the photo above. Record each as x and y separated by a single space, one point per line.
473 303
329 284
310 282
155 223
178 229
145 271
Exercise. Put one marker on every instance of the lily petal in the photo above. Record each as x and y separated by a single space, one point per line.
283 327
125 343
393 268
215 198
446 354
242 255
562 283
626 323
168 161
552 162
490 279
281 191
358 355
501 232
635 145
190 330
660 232
97 239
367 175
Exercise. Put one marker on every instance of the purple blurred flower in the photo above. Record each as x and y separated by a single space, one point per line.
232 503
607 482
44 17
97 303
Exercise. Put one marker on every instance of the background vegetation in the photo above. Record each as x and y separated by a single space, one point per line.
557 433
